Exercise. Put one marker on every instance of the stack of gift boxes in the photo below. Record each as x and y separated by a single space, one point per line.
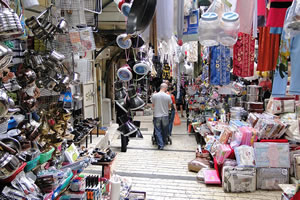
257 154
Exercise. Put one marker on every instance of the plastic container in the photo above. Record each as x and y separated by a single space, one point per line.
32 164
209 29
44 157
230 24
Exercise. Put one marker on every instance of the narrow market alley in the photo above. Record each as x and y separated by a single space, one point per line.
163 174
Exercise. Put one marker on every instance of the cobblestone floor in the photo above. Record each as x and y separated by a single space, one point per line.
164 174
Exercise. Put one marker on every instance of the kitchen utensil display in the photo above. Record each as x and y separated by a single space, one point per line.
4 103
10 25
140 16
6 55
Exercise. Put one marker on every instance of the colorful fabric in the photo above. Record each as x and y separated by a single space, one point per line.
277 12
281 73
295 66
243 56
245 9
268 50
220 65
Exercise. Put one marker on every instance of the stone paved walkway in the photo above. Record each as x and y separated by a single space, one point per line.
164 174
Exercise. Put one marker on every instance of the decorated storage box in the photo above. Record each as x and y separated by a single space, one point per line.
270 178
244 156
223 151
281 105
238 179
271 154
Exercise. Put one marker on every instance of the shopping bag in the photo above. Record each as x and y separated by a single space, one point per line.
177 121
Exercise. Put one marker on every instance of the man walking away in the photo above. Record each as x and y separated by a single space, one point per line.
161 103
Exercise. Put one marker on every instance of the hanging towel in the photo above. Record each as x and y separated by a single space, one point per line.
261 13
295 65
220 65
245 9
281 73
268 49
243 56
277 12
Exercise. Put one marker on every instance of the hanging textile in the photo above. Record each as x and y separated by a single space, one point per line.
245 9
281 73
220 65
165 22
277 12
295 66
261 13
268 50
243 56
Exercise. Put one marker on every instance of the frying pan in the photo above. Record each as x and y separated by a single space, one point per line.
140 16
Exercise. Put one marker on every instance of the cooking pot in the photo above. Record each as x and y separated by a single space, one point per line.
62 26
76 77
140 16
54 55
4 104
124 73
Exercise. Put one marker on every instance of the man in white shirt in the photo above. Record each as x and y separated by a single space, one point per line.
161 103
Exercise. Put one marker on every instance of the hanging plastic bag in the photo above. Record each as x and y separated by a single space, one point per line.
177 121
219 7
292 22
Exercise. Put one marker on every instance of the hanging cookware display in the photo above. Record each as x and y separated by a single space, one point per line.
42 28
137 42
124 73
141 68
127 128
6 56
120 92
26 77
122 42
140 16
135 101
4 103
10 25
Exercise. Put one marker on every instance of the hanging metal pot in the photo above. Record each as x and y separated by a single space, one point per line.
62 26
4 103
140 16
56 56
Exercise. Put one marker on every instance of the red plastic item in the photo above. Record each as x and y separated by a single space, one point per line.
12 177
278 141
218 168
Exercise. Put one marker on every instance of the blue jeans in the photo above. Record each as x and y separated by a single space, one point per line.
171 121
161 127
